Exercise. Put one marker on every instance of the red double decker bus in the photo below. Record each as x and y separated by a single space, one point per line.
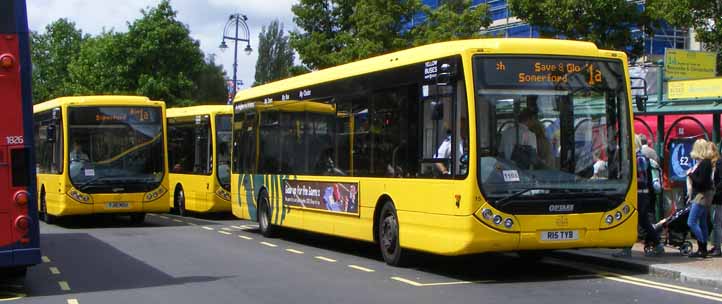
19 245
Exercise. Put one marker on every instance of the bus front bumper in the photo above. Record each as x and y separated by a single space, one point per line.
458 235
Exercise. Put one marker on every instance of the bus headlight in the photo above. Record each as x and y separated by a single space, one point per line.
487 214
154 195
609 219
618 215
79 196
497 219
508 223
625 209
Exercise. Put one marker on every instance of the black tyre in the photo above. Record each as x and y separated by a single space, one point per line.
264 213
180 204
388 236
43 212
137 219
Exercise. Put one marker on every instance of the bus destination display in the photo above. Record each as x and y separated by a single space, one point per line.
101 115
539 72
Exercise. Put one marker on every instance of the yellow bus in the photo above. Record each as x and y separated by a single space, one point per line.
452 148
199 158
101 154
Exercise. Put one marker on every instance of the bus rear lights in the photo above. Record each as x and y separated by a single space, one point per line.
22 223
609 219
497 219
22 197
7 61
618 215
508 223
487 214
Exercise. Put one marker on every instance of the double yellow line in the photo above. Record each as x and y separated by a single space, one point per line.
661 286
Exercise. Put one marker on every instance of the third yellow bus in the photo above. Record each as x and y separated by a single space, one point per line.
199 158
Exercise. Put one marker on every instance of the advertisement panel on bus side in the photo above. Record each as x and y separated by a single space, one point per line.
333 197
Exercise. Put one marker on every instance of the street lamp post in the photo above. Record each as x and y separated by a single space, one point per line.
236 21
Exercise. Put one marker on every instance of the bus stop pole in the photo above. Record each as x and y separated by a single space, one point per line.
658 212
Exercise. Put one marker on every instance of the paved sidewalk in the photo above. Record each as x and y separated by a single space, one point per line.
706 272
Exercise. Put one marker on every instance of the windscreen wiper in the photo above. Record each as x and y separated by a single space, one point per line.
520 192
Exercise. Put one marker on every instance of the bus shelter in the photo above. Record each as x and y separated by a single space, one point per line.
672 118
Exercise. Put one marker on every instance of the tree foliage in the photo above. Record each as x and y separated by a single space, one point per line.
51 54
704 16
339 31
275 55
155 58
607 23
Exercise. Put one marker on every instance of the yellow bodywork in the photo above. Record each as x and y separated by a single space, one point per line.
430 218
203 193
62 199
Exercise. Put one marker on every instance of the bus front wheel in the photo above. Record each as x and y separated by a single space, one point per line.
47 218
388 236
180 202
264 216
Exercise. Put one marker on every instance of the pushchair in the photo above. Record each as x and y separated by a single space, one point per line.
675 234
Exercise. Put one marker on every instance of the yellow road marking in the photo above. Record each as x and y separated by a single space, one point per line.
189 223
294 251
164 217
249 226
323 258
238 227
11 296
54 270
224 232
269 244
73 301
417 284
46 259
245 237
226 229
177 221
208 228
361 268
652 284
64 285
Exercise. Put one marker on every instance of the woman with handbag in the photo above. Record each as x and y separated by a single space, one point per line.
699 184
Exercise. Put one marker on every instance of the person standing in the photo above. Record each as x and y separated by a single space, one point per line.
647 150
717 206
645 191
700 187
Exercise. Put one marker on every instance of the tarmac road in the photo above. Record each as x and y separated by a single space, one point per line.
172 259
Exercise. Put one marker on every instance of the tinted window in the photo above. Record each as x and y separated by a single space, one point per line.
189 147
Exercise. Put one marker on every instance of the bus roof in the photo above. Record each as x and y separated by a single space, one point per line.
295 106
199 110
99 100
518 46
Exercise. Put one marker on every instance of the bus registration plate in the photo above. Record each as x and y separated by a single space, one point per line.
117 205
560 235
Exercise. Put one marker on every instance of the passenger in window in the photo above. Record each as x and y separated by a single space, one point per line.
600 166
444 152
519 143
78 159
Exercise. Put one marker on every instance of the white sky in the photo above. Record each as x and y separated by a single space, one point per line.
204 18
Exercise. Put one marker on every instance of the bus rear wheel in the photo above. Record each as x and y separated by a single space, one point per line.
388 236
17 272
264 216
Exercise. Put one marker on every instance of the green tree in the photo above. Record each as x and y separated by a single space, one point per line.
99 66
51 54
275 55
704 16
452 20
339 31
163 59
607 23
211 83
